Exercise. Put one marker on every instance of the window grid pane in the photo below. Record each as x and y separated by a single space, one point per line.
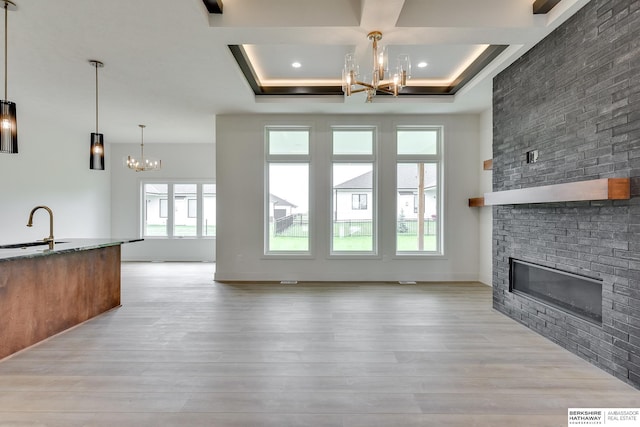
288 142
208 210
353 229
348 142
288 207
155 198
418 142
183 224
417 225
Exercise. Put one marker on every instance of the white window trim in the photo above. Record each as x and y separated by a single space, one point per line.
356 158
437 158
293 159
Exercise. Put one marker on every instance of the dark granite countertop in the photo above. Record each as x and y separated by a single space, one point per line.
61 246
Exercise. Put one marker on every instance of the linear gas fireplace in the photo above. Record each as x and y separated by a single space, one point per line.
572 293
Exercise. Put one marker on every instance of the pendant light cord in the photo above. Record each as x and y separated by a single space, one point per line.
6 23
142 142
96 65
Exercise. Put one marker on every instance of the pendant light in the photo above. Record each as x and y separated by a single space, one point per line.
8 119
143 164
96 154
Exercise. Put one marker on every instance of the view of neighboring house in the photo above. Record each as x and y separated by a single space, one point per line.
353 198
407 184
183 210
282 216
279 207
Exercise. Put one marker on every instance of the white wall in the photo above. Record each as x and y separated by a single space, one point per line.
240 185
52 168
485 215
179 162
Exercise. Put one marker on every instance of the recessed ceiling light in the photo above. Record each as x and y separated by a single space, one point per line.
296 64
422 64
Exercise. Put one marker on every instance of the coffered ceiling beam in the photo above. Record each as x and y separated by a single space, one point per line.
544 6
250 15
213 6
376 16
380 16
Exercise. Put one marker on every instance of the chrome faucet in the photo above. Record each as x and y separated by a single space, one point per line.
30 223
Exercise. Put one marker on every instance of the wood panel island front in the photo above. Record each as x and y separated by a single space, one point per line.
45 290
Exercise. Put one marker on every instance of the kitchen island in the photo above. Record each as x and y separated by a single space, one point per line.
46 289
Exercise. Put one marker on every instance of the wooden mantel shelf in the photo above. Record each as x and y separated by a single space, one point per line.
597 189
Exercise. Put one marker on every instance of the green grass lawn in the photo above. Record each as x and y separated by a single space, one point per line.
355 243
283 243
410 243
297 244
180 230
295 238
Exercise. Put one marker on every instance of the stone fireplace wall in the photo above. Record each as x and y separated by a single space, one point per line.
575 98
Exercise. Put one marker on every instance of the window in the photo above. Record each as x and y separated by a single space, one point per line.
173 209
184 224
287 197
353 198
351 222
418 191
359 202
156 210
209 210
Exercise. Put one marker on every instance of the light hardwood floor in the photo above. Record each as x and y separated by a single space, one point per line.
186 351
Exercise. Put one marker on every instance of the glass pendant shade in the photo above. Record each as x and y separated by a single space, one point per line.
8 127
96 150
8 117
404 69
96 157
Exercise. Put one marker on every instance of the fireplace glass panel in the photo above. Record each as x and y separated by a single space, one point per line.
578 295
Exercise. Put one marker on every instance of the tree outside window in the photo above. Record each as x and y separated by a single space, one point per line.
418 222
